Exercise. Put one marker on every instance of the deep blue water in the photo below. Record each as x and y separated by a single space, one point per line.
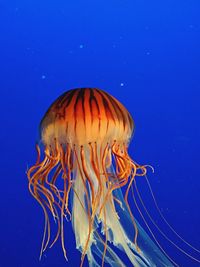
146 54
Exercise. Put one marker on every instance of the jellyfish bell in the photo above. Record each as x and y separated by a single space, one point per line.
86 133
83 116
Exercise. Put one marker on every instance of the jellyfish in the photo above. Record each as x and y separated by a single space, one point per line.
84 175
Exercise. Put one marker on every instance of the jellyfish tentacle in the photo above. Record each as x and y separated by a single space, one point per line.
58 230
52 185
62 219
66 175
165 220
106 238
151 232
38 155
47 223
103 165
129 209
158 228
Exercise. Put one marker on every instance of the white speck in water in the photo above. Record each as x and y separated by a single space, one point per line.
81 46
121 84
43 77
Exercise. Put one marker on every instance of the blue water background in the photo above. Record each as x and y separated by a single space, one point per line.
145 53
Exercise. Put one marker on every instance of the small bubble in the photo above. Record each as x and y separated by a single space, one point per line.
81 46
43 77
121 84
